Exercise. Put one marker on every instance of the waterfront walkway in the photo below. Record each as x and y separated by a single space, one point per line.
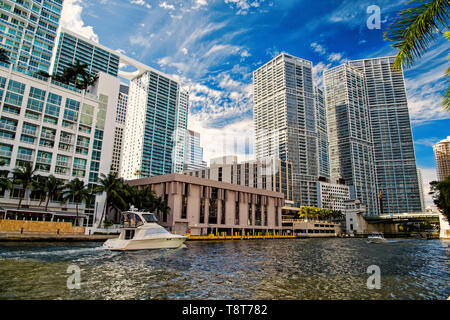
17 236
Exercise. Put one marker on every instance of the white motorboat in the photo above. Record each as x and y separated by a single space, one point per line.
140 231
376 237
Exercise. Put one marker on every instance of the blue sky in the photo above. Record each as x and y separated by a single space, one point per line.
213 46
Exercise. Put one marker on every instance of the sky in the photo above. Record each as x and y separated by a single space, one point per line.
213 46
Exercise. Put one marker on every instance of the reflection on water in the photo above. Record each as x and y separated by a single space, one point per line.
272 269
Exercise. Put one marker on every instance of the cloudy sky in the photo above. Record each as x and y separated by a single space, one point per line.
213 46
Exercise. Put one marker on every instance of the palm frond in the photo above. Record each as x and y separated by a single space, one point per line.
415 28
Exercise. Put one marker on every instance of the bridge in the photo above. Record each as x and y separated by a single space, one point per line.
403 217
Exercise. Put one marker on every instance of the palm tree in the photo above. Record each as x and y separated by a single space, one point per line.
5 182
111 185
72 73
53 189
161 206
413 31
4 56
88 81
23 176
37 187
77 191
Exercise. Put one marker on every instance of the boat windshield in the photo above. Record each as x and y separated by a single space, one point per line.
131 220
149 217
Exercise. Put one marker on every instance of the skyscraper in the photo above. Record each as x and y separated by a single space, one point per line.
181 134
29 32
442 155
72 47
422 194
322 134
394 157
285 121
194 152
349 134
119 133
154 103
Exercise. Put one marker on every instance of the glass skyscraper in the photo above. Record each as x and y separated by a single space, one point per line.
72 47
28 32
285 121
394 157
349 134
154 102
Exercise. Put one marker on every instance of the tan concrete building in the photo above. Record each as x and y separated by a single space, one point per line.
201 206
442 154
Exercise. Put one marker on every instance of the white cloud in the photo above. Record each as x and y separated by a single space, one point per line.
72 20
141 3
167 6
184 50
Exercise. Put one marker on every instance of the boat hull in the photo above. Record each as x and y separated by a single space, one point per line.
376 240
144 244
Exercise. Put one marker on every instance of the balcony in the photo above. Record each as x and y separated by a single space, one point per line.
7 127
29 132
48 136
68 140
24 156
6 154
64 164
83 144
44 160
79 166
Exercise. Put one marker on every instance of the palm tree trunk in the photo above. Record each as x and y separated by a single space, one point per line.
46 205
76 206
103 213
22 195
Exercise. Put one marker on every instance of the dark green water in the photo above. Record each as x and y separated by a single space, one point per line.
272 269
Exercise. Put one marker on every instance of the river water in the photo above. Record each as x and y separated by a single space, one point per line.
270 269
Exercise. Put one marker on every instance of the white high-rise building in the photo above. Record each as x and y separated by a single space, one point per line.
156 111
285 121
29 30
421 190
349 134
119 132
394 158
181 134
59 130
442 156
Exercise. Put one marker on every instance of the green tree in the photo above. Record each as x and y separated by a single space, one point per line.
37 187
23 176
77 191
309 212
4 56
53 189
415 29
112 185
440 192
5 182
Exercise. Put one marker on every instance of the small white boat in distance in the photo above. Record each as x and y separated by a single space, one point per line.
140 231
376 237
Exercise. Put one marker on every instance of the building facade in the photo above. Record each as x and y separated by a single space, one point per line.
394 158
442 156
194 152
154 103
60 130
28 32
119 132
349 133
181 134
322 134
285 121
201 206
421 190
267 174
332 196
72 47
